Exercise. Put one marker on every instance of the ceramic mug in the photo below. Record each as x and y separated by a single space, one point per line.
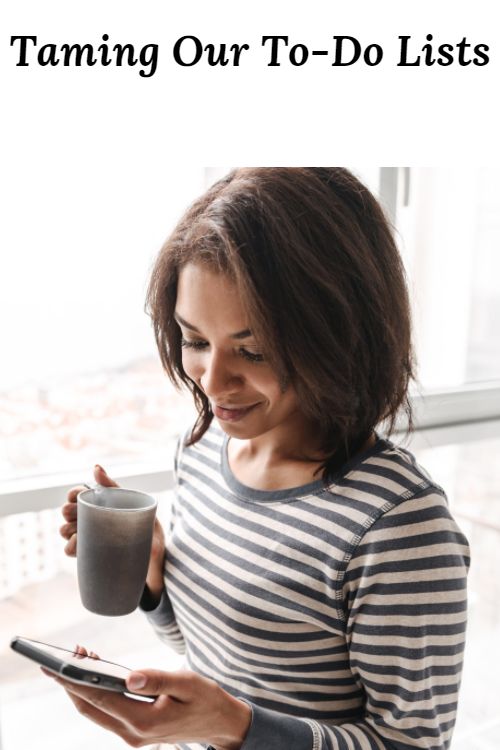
115 531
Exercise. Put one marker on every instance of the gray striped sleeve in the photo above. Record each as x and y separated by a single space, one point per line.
162 620
404 601
405 604
276 731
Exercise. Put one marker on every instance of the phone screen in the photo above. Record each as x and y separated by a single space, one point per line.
100 666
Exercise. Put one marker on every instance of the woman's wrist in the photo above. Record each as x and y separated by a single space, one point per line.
154 578
156 586
235 717
155 594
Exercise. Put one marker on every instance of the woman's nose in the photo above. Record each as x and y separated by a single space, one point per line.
219 375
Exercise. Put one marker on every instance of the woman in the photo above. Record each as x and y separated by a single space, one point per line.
312 573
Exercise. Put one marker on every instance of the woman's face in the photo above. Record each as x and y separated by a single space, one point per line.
223 358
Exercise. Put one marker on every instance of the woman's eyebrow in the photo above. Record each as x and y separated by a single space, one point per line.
239 335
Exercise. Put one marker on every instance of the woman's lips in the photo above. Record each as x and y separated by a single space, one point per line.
232 415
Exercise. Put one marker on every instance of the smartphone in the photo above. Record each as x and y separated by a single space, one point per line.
85 670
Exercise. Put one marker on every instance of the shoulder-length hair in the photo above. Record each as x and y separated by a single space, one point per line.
324 289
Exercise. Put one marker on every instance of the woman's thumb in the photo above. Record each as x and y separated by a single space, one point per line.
178 685
102 478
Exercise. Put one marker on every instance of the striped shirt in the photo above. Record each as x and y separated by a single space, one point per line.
336 611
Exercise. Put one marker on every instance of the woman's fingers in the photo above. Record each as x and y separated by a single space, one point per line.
81 652
74 492
70 547
69 511
102 478
67 530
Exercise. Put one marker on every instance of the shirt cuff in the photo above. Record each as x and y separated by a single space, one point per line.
160 614
276 731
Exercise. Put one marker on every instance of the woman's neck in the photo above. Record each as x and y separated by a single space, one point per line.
267 467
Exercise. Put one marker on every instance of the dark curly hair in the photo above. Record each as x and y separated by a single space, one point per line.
324 289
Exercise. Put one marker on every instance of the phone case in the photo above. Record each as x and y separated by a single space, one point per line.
69 671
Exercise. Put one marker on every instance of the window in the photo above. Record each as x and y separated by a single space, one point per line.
80 381
470 474
448 223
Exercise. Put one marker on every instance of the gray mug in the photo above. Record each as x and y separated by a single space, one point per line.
115 531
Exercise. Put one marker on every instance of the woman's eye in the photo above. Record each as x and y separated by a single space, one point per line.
200 344
251 356
193 344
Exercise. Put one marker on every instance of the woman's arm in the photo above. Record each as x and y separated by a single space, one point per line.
405 611
162 619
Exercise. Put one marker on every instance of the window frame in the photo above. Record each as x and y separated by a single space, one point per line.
442 417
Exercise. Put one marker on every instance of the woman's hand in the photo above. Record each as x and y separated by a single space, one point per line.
68 531
189 708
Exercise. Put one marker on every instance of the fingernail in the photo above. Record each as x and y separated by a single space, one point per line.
97 466
136 681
